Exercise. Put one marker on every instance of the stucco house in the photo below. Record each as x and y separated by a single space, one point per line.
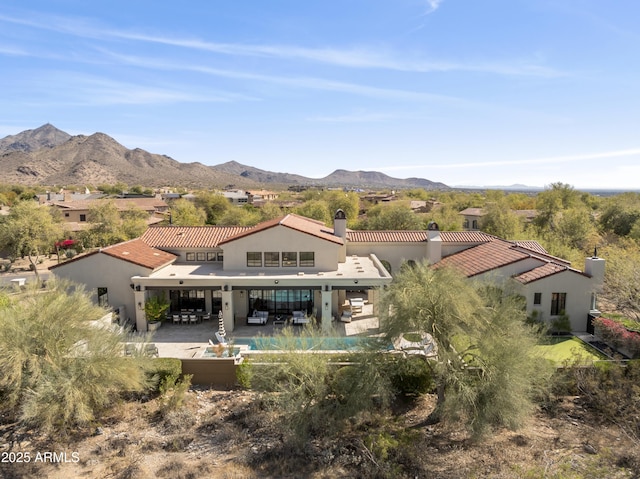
295 263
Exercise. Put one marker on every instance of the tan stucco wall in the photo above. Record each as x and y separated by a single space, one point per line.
395 253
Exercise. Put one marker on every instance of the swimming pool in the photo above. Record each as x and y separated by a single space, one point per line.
305 344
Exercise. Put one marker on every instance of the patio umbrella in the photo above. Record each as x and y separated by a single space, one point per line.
221 330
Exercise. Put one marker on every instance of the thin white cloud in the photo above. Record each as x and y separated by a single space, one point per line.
354 118
349 57
432 6
536 161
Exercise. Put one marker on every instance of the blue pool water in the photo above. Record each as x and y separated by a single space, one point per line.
318 344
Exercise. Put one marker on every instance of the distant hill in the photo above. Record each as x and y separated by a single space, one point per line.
98 159
48 156
47 136
339 178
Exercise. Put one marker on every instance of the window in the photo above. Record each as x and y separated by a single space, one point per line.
558 302
465 224
474 225
254 259
272 259
191 256
289 258
211 256
200 256
66 215
307 258
537 298
103 297
83 217
220 257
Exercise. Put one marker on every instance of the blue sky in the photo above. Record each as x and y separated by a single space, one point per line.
464 92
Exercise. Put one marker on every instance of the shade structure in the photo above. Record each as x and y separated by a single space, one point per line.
221 330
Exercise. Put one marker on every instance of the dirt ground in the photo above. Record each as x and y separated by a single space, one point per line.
226 434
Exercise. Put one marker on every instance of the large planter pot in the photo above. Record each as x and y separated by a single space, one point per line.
153 325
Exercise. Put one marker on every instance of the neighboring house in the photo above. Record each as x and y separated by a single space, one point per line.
263 195
473 217
298 264
75 214
238 197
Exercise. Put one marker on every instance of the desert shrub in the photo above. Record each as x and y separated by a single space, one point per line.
561 324
173 399
409 375
164 373
244 373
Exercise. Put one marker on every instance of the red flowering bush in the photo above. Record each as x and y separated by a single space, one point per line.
615 334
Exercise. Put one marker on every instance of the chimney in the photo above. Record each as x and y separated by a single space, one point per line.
594 268
340 224
434 243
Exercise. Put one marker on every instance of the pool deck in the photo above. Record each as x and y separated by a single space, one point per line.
189 341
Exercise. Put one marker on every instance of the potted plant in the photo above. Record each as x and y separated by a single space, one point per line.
155 309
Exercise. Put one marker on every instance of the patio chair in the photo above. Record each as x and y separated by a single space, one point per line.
206 316
151 350
129 349
176 319
193 319
185 319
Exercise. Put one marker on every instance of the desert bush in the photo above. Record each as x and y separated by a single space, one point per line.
163 373
59 367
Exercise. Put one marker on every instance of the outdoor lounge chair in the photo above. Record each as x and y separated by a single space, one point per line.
221 339
346 316
129 349
151 349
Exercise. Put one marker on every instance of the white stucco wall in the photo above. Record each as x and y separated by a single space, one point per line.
578 304
281 238
395 253
103 271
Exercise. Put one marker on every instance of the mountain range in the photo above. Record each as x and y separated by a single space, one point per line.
51 157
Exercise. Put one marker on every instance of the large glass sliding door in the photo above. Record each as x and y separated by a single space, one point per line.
281 301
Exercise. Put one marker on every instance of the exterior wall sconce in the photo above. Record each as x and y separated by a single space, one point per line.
225 287
326 305
355 281
139 305
138 287
181 282
226 305
132 285
276 281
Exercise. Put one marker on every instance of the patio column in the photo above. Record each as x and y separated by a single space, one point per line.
327 308
139 299
227 308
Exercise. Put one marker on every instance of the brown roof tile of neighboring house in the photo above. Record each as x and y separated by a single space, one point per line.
138 252
473 212
466 237
294 222
123 204
190 236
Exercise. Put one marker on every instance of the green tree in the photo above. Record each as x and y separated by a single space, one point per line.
214 205
59 367
314 396
620 213
270 211
30 230
240 216
622 277
315 209
393 216
105 225
185 213
485 371
500 221
347 202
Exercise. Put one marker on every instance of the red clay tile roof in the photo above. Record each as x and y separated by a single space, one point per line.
368 236
138 252
133 251
483 258
171 237
543 271
532 245
294 222
417 236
